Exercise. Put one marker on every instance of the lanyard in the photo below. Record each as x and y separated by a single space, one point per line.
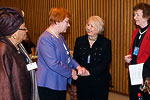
140 41
54 33
63 45
65 48
68 54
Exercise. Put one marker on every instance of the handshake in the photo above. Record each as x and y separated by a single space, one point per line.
80 71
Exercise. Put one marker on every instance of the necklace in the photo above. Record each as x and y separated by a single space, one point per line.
54 33
18 50
92 38
141 33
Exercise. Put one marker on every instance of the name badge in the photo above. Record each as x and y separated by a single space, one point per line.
136 51
31 66
88 60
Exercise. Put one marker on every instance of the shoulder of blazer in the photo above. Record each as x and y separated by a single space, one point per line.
135 31
82 38
148 30
104 39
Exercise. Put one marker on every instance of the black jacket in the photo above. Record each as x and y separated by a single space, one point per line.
100 56
146 69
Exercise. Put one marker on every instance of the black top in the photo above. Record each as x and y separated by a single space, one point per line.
100 56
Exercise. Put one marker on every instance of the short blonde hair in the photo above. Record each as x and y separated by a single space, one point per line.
98 22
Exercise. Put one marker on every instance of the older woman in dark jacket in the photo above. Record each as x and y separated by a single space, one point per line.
93 51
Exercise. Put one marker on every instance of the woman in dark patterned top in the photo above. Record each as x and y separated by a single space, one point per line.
93 51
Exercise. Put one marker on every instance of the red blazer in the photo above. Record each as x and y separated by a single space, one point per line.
144 50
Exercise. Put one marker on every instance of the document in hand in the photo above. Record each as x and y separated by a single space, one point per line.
135 72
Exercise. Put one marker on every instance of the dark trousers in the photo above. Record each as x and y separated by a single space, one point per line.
92 90
49 94
146 96
134 90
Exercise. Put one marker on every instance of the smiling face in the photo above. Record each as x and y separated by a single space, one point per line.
91 28
139 19
63 25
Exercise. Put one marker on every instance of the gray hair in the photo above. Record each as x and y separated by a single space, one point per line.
98 22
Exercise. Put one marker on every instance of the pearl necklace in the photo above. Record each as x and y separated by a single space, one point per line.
141 33
18 50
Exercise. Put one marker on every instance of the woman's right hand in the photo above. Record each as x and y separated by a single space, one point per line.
74 74
128 58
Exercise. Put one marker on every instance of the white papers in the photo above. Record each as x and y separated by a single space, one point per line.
136 74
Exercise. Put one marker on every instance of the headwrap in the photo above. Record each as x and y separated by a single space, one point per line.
10 21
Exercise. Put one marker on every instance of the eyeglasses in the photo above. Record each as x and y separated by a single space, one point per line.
24 29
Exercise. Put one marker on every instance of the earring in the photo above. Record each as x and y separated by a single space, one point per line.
14 37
